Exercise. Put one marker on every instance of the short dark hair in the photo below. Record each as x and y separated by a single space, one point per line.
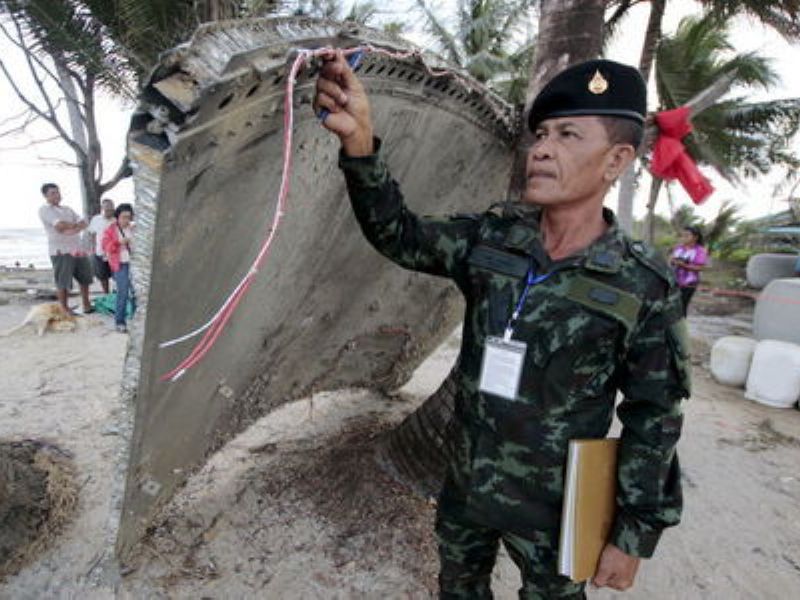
696 232
47 187
124 207
623 131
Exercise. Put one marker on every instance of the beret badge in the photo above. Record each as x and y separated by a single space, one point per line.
598 84
596 87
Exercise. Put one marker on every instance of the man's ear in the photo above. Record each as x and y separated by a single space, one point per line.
620 156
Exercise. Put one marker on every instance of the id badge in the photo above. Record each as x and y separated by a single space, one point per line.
501 369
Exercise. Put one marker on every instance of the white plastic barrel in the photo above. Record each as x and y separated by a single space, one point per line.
730 359
763 268
777 313
774 377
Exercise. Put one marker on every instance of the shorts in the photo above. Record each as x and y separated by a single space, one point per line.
102 270
66 267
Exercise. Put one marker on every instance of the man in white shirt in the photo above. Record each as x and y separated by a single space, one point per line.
70 261
96 228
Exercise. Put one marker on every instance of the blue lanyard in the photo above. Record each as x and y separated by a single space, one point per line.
531 280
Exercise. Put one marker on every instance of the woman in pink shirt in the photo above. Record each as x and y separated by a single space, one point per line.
118 246
688 259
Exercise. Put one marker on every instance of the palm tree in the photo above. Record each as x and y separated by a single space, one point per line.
486 41
72 48
122 39
782 15
651 40
683 217
79 46
68 55
715 232
739 139
360 12
722 226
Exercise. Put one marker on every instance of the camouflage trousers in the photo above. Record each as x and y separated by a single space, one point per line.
467 554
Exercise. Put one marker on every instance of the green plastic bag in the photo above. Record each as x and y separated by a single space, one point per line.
107 305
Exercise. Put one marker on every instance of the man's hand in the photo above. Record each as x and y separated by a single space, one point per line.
341 93
615 569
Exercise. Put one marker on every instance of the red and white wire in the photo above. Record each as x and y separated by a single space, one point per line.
214 326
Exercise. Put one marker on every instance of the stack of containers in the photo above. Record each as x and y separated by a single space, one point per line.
769 365
774 377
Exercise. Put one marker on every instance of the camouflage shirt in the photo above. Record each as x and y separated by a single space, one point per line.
606 319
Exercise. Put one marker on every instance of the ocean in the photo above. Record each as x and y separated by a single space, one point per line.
24 246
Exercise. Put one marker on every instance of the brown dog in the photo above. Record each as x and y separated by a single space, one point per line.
46 317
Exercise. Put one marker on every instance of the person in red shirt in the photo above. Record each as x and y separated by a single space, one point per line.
118 246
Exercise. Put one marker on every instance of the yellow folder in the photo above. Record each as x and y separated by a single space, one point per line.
589 502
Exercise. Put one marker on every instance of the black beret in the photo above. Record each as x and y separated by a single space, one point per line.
596 87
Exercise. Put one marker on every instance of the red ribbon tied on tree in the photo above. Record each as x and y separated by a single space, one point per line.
670 159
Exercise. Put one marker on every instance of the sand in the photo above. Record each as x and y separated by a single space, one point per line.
62 388
294 507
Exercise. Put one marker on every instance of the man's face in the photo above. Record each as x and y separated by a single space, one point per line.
569 161
108 209
53 196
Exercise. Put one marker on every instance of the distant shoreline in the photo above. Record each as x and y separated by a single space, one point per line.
28 269
23 247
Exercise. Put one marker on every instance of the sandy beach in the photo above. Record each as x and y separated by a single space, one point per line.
295 506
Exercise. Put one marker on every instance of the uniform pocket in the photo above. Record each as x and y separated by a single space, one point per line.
572 355
496 279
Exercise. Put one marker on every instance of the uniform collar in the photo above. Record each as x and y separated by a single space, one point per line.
604 255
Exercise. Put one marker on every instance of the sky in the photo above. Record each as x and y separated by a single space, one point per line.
25 169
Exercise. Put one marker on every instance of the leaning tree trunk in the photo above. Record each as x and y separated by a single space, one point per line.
414 452
655 188
85 141
76 127
627 185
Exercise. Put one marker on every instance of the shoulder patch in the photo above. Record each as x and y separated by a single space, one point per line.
610 300
603 260
651 258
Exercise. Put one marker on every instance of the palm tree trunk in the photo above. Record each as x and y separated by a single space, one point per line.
414 452
627 186
655 188
570 31
652 37
627 190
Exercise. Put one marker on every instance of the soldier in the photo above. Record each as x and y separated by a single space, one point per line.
562 311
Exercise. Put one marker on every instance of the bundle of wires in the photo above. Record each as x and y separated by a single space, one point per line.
213 328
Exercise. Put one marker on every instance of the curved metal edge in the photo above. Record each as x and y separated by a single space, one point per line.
235 55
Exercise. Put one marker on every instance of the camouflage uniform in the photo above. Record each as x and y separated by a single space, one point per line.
608 318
